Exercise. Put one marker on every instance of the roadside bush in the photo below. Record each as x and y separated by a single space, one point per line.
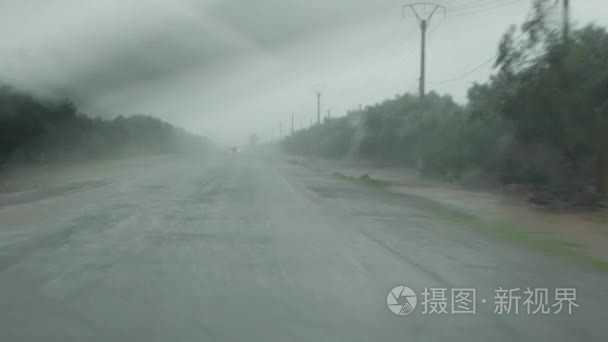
34 130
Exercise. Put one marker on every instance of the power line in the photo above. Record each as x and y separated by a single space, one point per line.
476 4
467 73
379 59
485 9
431 31
451 46
382 57
484 63
392 54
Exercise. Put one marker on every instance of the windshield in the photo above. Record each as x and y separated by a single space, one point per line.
303 170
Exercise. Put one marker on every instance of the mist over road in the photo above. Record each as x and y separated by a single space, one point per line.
243 247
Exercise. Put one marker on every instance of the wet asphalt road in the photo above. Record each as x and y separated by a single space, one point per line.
248 248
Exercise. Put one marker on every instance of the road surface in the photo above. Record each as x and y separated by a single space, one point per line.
239 247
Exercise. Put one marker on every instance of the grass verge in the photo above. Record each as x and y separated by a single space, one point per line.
502 229
363 180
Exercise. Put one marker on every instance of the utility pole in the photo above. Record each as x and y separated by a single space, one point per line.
424 12
566 19
318 106
291 123
423 27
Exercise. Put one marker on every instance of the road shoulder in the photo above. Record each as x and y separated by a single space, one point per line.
578 235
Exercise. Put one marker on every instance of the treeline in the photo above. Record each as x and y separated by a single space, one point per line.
539 124
33 130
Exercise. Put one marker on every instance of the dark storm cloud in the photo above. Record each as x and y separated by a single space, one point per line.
153 57
271 23
149 41
227 67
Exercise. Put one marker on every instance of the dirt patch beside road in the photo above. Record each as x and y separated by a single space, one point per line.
579 234
26 184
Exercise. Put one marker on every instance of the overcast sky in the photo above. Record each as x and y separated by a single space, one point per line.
230 68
